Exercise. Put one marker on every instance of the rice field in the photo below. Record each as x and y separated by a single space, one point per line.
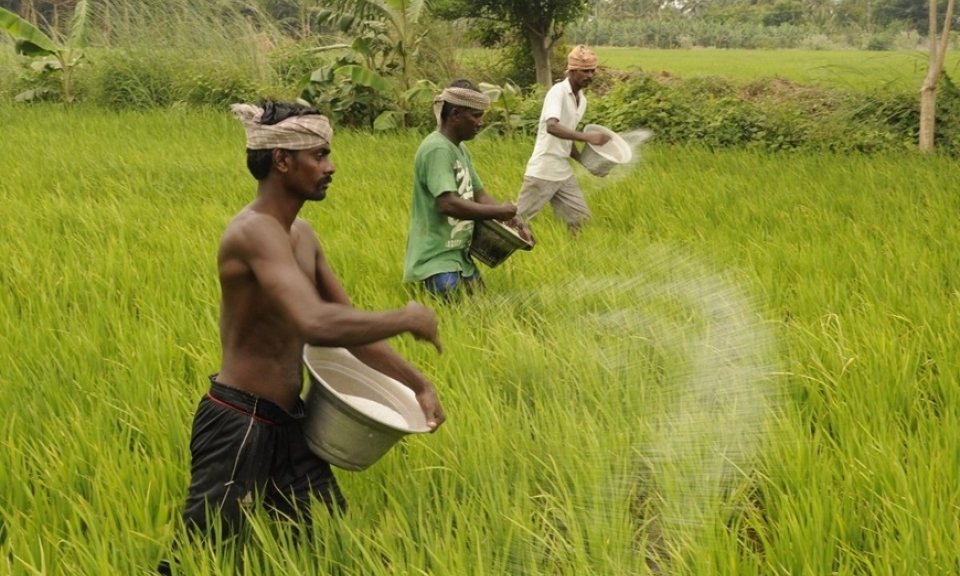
859 70
746 364
850 69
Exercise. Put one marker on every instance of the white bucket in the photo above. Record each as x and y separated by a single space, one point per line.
598 160
354 413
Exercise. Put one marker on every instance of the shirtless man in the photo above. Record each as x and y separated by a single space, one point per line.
279 293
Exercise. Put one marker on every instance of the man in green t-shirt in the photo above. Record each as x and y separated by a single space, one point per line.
448 196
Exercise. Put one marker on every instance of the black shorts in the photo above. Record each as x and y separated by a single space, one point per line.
245 450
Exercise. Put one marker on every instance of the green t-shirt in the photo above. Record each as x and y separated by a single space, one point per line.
438 243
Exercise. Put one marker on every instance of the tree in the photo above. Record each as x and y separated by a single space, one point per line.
928 92
613 9
783 12
819 12
541 22
859 13
909 12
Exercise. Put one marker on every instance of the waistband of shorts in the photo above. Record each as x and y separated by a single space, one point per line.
259 408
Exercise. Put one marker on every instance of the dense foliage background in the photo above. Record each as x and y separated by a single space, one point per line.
380 67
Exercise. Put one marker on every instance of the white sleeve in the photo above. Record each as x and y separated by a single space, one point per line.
553 103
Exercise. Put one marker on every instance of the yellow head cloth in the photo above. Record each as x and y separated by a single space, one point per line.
581 58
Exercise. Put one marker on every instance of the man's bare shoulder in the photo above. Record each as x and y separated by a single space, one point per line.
301 226
305 233
247 231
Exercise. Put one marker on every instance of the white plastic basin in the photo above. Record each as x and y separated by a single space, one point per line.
354 413
599 160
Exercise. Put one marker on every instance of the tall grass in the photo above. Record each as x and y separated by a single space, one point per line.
594 390
160 53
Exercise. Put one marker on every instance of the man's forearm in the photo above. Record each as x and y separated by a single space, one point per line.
564 133
470 210
384 359
337 325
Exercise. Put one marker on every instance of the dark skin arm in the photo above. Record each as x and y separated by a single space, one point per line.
322 323
380 355
482 207
554 128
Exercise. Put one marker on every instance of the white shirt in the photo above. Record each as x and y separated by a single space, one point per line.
550 154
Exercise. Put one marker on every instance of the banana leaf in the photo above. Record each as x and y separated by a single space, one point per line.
78 26
364 77
30 40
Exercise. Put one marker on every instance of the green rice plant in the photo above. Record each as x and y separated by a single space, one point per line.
745 364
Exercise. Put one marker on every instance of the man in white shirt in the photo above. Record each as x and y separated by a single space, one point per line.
549 177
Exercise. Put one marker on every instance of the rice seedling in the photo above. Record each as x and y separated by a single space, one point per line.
745 364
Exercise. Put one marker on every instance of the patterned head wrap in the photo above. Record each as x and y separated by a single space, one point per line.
294 133
460 97
581 58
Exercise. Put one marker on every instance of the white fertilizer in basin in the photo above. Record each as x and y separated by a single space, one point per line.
377 411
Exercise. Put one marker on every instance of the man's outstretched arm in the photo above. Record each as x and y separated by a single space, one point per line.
380 355
264 246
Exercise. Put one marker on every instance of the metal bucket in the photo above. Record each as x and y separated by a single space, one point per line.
599 160
354 413
494 242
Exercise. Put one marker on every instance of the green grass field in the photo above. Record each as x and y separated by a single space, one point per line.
746 364
851 69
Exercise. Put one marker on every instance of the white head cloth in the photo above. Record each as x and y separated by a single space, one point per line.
294 133
460 97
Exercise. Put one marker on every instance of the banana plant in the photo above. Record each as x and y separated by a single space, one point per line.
62 55
421 94
346 92
505 114
387 32
376 73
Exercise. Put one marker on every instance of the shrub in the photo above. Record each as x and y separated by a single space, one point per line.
906 40
292 62
772 114
879 42
26 81
9 67
217 86
131 79
817 42
136 79
682 32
